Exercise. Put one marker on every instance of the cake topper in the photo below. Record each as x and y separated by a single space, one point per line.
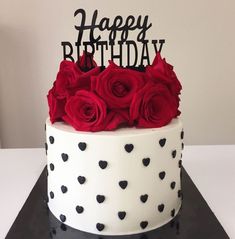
118 31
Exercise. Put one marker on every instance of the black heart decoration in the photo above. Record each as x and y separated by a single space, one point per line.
123 184
100 198
62 218
179 193
162 175
52 167
161 207
144 224
81 179
79 209
173 153
144 198
172 185
64 189
52 195
182 134
46 147
162 142
100 226
51 139
122 215
82 146
146 161
129 147
64 157
173 212
103 164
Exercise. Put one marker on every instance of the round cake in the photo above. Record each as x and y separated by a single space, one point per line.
118 182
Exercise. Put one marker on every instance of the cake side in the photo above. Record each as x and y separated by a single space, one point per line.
114 183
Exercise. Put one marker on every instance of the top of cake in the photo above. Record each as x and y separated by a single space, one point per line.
103 98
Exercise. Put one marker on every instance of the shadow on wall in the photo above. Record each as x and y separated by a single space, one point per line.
20 101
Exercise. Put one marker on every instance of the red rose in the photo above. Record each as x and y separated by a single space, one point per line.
86 61
153 106
117 85
161 71
84 80
85 111
71 77
115 119
67 78
56 105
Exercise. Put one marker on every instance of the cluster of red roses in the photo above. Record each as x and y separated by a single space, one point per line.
98 100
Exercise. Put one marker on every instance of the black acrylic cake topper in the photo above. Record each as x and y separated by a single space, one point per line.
114 45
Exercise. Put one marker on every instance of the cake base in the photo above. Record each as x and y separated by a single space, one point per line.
195 219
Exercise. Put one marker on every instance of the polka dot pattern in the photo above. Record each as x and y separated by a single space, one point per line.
64 157
52 167
173 153
155 162
162 142
46 147
144 198
100 226
173 185
81 179
129 147
121 215
79 209
143 224
161 207
172 212
100 198
123 184
64 189
52 195
103 164
82 146
179 193
146 161
182 134
51 140
162 175
62 218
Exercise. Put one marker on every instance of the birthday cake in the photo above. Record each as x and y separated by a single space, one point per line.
113 144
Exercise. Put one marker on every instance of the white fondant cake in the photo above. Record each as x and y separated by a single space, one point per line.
114 183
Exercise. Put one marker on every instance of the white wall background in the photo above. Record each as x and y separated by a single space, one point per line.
200 43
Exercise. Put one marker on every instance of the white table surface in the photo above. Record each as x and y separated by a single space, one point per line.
212 169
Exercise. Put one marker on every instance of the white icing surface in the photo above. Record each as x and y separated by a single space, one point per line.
109 147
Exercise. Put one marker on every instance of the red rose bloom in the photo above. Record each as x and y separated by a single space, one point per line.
71 76
115 119
85 111
56 105
84 80
86 61
161 71
67 78
90 100
153 106
117 85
